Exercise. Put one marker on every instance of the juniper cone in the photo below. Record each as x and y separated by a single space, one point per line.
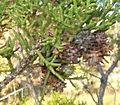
93 47
53 82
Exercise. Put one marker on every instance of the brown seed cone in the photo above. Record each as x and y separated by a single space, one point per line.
91 46
95 47
71 53
53 82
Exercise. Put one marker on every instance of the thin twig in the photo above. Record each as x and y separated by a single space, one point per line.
114 64
88 90
94 76
12 93
2 46
114 93
30 85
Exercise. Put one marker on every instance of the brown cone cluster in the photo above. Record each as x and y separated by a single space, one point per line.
53 82
92 47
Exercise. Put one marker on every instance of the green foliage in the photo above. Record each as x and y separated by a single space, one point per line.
2 8
27 101
51 20
55 98
61 99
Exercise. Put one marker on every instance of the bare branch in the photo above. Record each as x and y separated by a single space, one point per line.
100 70
104 80
22 65
114 64
94 76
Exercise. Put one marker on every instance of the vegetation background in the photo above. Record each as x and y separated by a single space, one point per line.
59 52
